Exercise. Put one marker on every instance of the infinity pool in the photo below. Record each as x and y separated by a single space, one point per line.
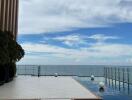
109 94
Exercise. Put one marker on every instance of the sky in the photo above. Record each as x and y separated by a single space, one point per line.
76 32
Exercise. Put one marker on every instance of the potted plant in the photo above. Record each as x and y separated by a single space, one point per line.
15 52
10 53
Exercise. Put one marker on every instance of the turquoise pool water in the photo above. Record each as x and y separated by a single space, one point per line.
110 92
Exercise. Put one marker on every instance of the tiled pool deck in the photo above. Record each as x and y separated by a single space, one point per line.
45 88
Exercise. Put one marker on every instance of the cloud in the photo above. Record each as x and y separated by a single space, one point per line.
95 54
72 40
102 37
79 40
126 3
44 16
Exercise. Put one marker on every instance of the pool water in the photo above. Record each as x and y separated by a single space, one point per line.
109 94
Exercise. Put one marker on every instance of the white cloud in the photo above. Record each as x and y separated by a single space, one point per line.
95 54
41 16
69 38
129 60
75 40
72 40
102 38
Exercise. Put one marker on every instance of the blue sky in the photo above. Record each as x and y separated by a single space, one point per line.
63 32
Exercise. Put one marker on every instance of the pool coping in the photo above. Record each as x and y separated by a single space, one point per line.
92 96
98 97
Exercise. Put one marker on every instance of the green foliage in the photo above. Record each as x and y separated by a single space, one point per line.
4 57
10 50
14 49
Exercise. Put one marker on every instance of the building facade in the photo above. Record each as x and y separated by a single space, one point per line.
9 16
